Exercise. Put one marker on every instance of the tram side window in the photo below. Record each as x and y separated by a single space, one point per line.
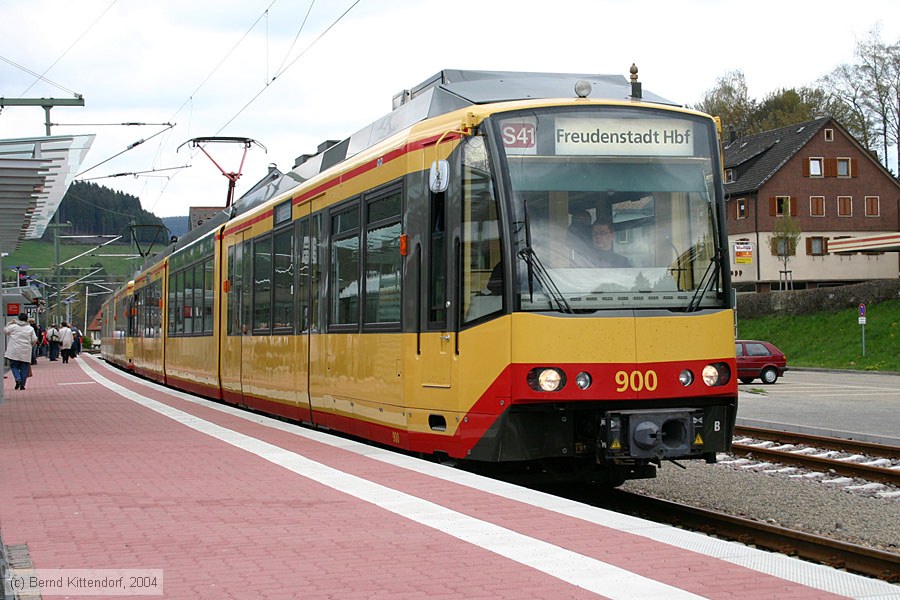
344 292
171 303
246 286
437 283
179 302
133 315
188 311
283 279
303 261
154 312
232 294
382 273
199 297
262 285
482 279
208 287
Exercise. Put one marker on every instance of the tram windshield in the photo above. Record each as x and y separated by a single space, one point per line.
612 208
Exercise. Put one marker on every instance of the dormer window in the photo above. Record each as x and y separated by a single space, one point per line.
729 176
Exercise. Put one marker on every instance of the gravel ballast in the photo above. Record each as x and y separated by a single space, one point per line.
858 517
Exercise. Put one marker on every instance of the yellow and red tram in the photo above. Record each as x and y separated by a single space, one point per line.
424 284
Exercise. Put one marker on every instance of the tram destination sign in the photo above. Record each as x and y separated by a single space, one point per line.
624 137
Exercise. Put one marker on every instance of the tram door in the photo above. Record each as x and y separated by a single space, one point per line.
237 314
437 344
306 267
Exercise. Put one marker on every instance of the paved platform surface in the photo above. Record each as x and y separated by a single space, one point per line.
107 475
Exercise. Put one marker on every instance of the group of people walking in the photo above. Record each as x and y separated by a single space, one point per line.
25 341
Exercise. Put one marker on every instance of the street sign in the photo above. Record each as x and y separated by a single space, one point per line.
862 321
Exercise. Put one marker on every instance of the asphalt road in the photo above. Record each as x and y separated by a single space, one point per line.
861 405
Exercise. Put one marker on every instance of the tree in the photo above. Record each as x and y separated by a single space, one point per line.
788 107
783 241
730 101
870 90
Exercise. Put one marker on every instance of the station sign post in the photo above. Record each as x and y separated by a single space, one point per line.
862 323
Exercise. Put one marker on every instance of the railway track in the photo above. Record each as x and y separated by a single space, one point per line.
858 559
849 458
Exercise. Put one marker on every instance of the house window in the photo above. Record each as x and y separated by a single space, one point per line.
782 205
816 246
817 206
829 135
742 208
784 247
729 175
843 167
845 206
872 206
815 167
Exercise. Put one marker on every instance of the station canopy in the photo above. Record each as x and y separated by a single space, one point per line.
884 242
34 176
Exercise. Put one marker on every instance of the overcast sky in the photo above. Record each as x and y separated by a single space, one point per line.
208 66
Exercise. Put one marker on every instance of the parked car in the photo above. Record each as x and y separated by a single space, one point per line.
759 359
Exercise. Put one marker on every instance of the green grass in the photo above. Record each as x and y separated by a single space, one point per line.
41 257
833 340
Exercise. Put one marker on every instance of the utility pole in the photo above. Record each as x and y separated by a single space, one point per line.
56 225
45 103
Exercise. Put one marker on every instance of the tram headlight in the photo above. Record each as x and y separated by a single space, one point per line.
546 379
716 374
686 378
583 380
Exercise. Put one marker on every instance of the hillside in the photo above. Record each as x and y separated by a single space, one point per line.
96 210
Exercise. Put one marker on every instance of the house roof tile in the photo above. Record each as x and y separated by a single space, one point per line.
757 158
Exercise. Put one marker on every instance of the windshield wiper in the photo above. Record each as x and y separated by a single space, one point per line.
536 270
712 270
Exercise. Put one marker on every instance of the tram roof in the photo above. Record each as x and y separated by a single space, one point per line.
446 91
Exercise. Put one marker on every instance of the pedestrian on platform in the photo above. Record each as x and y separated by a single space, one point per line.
65 341
76 341
42 341
37 334
20 339
53 341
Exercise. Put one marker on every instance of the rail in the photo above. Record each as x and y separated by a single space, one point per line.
880 470
842 555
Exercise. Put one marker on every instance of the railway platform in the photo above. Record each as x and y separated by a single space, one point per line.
116 487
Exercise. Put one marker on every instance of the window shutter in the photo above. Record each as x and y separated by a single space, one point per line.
853 167
773 206
806 168
830 167
793 203
809 249
824 245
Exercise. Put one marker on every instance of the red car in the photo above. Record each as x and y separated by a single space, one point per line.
759 359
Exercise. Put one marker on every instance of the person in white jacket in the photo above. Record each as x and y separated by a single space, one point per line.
65 341
20 338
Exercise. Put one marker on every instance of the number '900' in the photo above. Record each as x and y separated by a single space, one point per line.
636 381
